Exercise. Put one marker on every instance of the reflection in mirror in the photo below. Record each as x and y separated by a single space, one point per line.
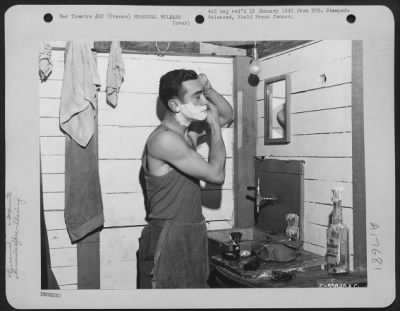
276 122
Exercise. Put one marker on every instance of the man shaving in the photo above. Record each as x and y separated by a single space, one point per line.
173 246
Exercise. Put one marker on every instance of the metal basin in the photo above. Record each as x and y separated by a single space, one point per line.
219 241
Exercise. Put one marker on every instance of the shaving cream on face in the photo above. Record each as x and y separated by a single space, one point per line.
190 112
194 112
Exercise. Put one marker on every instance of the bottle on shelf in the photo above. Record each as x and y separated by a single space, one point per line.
337 255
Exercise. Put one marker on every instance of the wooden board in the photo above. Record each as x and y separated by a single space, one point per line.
145 72
317 145
283 180
73 286
88 256
244 143
319 191
50 89
319 214
182 47
322 121
55 220
319 77
359 187
321 128
313 165
207 48
149 83
128 142
64 257
119 176
53 164
319 118
53 201
306 57
118 257
315 249
219 224
341 172
304 261
65 275
326 75
59 238
123 209
52 145
305 278
322 98
122 142
49 107
50 127
122 134
58 61
53 182
133 109
217 204
316 234
174 58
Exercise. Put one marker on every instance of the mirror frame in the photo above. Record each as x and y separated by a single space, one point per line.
286 138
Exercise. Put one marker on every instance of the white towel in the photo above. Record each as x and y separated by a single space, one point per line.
79 91
45 62
115 73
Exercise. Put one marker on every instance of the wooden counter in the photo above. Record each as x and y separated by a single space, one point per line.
307 270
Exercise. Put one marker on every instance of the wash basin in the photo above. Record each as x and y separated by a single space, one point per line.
219 241
249 233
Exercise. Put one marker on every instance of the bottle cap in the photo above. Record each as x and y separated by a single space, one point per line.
337 194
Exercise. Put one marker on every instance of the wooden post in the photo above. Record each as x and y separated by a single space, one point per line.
88 252
359 205
245 135
88 248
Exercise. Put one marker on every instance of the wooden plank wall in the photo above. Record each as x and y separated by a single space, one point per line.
122 134
321 129
52 144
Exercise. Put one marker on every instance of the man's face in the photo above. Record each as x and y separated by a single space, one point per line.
193 102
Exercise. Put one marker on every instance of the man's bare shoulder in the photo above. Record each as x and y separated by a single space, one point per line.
164 142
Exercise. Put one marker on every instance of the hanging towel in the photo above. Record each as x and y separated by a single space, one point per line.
45 62
78 93
115 74
83 211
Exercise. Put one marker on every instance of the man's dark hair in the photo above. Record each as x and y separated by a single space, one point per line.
171 84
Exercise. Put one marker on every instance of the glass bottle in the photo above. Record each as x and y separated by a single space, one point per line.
337 255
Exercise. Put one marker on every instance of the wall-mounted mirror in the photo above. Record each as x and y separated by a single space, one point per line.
276 110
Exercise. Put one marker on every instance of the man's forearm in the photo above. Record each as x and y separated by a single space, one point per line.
225 110
217 154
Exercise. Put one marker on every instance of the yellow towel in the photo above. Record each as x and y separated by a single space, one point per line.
115 73
79 91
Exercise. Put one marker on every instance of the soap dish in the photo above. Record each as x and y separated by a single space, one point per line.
229 255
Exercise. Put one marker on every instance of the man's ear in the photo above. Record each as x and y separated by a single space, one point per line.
173 104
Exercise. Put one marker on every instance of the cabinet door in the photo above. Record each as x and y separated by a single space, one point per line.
284 180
